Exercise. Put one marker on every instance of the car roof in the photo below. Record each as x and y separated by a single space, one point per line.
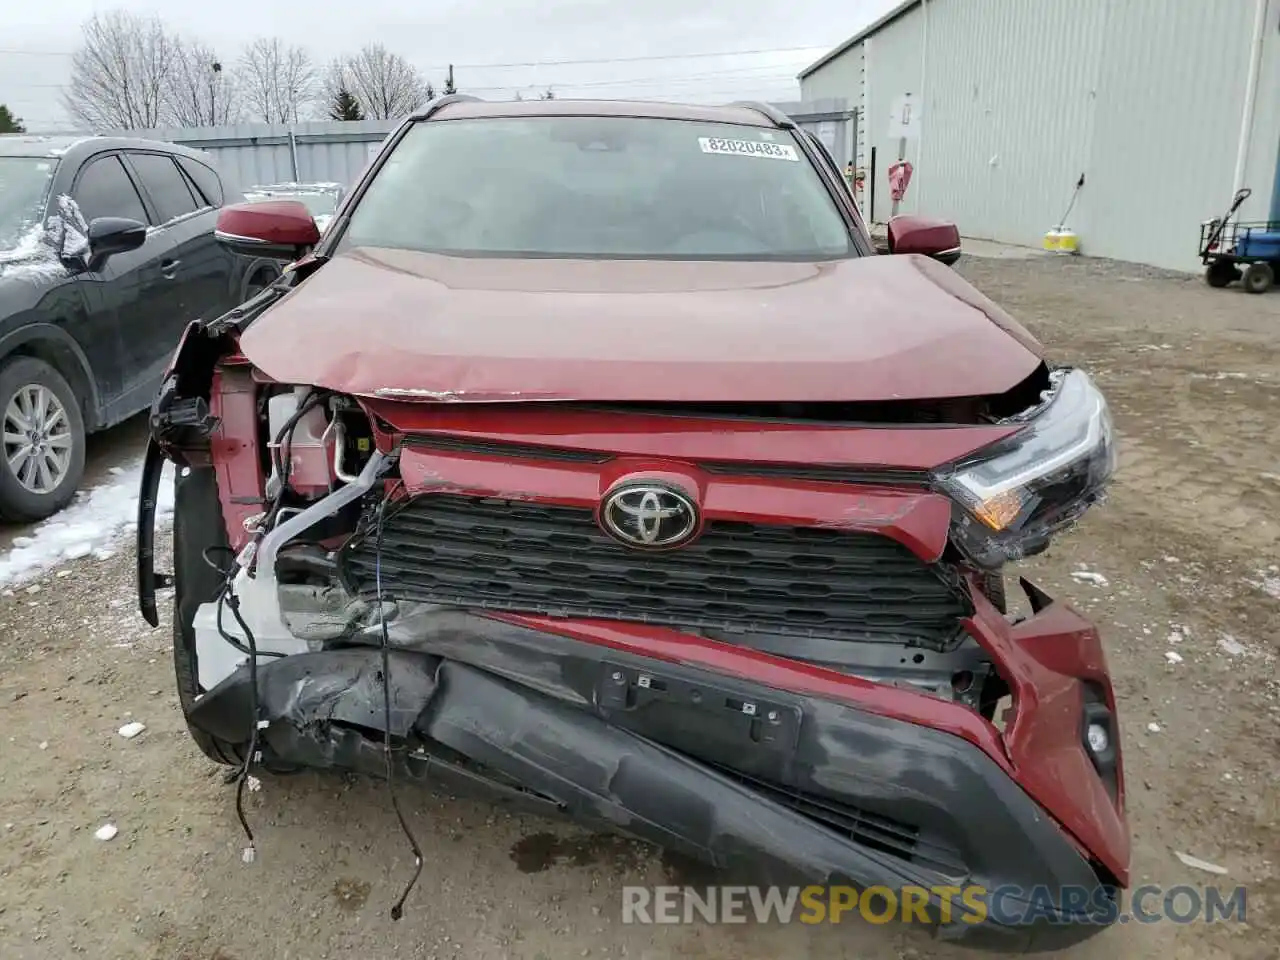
78 145
752 115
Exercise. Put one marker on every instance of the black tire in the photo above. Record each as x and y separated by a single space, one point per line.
1258 277
197 526
993 590
17 503
260 280
1221 273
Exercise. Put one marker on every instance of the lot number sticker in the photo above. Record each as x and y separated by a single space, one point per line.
749 148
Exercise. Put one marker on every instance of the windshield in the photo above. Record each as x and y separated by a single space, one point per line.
24 190
620 187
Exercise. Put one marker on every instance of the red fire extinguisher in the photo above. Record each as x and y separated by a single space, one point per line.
899 179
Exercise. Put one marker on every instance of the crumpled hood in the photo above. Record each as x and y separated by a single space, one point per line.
408 325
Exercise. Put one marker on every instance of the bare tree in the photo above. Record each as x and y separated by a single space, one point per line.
202 93
386 85
277 82
121 73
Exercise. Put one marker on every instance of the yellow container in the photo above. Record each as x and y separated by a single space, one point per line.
1061 240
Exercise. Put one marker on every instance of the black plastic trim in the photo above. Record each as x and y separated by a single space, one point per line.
521 706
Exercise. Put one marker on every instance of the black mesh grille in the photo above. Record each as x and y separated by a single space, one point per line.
735 578
887 834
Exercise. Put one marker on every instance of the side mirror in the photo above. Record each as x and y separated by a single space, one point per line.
111 235
280 229
938 239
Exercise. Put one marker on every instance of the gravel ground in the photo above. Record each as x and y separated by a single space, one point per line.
1188 549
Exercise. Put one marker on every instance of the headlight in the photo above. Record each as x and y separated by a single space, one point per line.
1013 497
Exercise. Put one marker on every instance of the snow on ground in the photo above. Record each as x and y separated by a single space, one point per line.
92 524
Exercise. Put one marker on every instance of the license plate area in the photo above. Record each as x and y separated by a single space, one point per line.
700 718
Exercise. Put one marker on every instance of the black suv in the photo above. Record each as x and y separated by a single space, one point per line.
107 252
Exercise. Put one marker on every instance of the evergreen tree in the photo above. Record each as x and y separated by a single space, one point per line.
345 106
9 123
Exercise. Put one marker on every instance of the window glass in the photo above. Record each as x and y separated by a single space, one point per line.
105 190
24 190
623 187
205 179
165 184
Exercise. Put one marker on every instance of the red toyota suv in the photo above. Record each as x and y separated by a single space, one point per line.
595 459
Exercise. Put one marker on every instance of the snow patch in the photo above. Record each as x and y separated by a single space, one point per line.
89 525
1198 864
1230 645
1086 576
33 258
1270 585
107 831
1173 656
132 729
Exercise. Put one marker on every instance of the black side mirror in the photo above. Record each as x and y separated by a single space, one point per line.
112 235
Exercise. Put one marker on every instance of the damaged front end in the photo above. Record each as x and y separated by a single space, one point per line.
721 634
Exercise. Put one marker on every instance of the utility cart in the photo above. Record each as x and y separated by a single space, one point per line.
1233 250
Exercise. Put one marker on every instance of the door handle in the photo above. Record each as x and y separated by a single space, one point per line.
169 267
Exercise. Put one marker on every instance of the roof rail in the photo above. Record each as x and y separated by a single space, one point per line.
772 113
439 102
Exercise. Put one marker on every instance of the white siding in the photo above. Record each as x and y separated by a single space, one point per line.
895 60
1022 96
1171 94
841 79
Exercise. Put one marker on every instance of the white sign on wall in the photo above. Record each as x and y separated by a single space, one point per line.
904 118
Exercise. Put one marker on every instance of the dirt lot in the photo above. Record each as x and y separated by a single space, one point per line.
1188 546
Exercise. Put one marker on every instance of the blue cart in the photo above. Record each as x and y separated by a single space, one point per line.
1233 250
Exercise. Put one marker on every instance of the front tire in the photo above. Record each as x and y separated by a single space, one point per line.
1221 273
197 527
43 440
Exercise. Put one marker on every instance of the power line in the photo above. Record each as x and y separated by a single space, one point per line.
649 58
744 73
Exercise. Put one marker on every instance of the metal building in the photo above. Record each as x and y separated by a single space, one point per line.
1165 106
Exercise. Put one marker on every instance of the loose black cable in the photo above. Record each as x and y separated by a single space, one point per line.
397 910
282 454
227 596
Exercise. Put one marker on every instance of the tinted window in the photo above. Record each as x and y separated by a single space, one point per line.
600 187
105 190
205 180
166 185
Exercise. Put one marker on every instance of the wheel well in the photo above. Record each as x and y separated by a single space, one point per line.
63 359
261 273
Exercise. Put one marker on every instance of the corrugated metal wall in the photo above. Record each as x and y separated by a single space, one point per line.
1022 96
841 79
327 151
1171 90
334 151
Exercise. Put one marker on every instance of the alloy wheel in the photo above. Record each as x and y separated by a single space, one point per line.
38 442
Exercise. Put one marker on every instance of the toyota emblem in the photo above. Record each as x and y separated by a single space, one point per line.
649 516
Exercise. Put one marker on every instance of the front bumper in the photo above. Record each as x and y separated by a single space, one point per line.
783 781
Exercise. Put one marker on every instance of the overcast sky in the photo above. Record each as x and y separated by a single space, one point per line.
497 46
